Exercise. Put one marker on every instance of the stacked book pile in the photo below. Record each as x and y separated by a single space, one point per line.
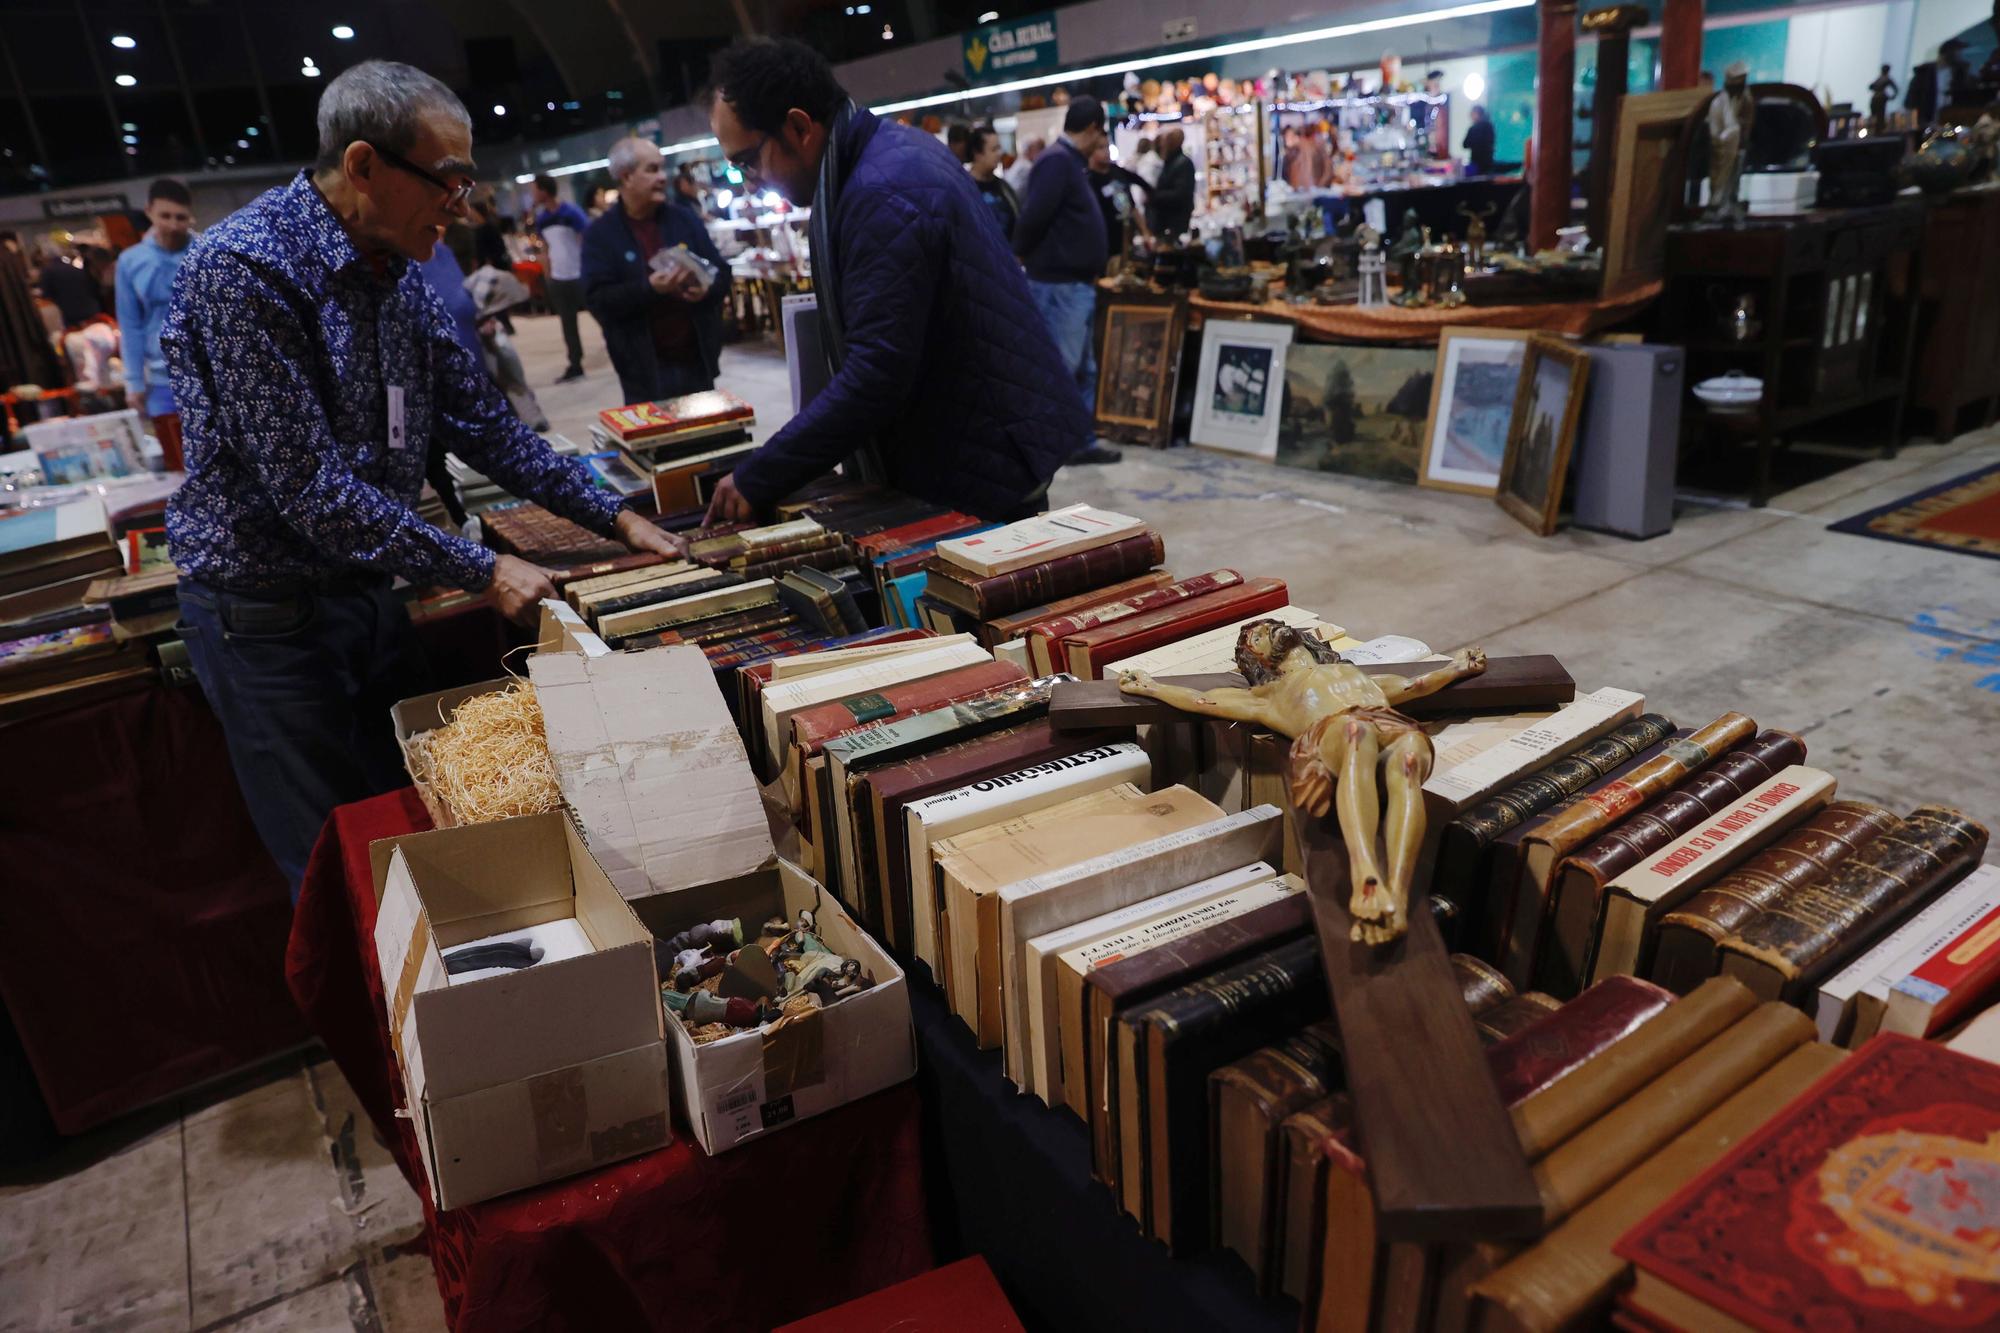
525 529
57 643
677 448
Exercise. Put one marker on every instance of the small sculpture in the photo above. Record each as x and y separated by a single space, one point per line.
724 932
1343 724
1475 234
1731 114
1879 93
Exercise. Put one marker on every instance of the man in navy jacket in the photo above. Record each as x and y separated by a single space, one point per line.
938 357
663 331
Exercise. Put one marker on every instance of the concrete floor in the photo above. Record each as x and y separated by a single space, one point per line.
268 1204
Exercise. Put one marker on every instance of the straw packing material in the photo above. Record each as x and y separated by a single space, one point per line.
491 760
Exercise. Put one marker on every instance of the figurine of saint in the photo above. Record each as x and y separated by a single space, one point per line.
1731 113
1879 93
1344 725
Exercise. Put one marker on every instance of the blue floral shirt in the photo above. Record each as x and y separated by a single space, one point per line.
284 344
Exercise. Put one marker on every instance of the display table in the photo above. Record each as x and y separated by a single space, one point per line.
821 1212
1350 323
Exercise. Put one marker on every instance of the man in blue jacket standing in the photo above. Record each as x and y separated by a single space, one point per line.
146 274
1061 239
942 374
662 328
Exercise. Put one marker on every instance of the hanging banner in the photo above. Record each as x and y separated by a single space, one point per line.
1011 50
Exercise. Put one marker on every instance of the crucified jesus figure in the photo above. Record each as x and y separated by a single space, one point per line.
1344 725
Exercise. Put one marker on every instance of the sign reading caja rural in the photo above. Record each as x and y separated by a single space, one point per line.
1012 49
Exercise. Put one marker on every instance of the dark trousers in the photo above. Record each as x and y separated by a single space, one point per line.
303 684
566 299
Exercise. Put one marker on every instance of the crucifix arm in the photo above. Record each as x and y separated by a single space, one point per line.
1233 704
1400 689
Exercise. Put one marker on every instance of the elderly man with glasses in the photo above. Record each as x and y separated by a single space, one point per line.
662 322
315 371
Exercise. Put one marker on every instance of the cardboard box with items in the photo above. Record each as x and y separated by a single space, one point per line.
523 1006
650 761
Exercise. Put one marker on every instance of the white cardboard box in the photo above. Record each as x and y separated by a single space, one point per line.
539 1074
651 763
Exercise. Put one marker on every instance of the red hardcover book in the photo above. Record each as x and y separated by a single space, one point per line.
1950 984
691 412
1044 635
1087 652
999 629
1870 1202
752 679
925 532
562 578
1062 577
1552 1047
958 1298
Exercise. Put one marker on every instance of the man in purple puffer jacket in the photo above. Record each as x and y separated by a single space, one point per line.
944 380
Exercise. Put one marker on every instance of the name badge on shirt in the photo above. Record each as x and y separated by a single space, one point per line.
397 439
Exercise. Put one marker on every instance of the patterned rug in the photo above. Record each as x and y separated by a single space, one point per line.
1962 515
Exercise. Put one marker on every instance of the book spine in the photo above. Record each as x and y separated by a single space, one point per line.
826 557
1212 1000
652 597
1015 624
1800 931
1568 826
1556 1044
1141 634
1064 576
813 727
814 541
1200 585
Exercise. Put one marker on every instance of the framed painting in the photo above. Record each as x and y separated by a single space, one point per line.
1542 432
1356 410
1648 179
1472 405
1138 366
1240 389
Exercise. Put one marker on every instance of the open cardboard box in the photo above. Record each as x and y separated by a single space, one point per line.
538 1074
565 631
651 763
426 712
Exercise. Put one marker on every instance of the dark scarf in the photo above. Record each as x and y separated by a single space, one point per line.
849 133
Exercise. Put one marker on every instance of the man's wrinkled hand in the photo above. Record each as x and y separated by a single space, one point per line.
640 535
728 505
518 588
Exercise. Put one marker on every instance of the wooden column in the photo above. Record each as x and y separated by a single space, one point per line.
1555 80
1680 44
1613 30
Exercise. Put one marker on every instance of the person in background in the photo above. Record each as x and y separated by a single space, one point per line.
958 138
1479 144
146 274
67 285
1937 85
1023 163
941 377
1113 186
1170 203
444 277
687 191
1147 166
1063 243
984 167
663 330
1434 118
561 226
314 369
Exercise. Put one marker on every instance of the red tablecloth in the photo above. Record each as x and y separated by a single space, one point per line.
142 924
815 1214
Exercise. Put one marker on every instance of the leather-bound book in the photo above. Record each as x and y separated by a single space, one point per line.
1459 868
1249 1100
637 560
1578 892
1085 652
1551 1047
999 629
1064 576
664 592
1685 953
1310 1136
1514 1016
1480 982
1179 1040
1571 1275
1513 906
1800 936
1044 636
925 530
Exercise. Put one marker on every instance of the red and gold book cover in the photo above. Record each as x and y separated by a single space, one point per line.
645 421
1871 1202
813 727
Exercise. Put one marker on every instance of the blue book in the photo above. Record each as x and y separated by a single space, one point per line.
903 594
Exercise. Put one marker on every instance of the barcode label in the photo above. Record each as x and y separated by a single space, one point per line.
735 1101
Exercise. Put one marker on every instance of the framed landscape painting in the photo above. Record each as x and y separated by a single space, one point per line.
1356 410
1472 404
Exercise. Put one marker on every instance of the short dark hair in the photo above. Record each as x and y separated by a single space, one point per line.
546 184
1084 114
975 140
763 77
171 190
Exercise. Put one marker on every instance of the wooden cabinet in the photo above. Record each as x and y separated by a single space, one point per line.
1958 358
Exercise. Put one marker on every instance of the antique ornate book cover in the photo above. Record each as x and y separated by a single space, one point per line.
1871 1202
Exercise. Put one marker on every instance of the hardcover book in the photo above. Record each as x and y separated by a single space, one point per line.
667 615
1868 1196
1085 651
1792 943
1851 1002
1954 981
1043 635
1575 724
1215 649
1017 623
1690 936
1032 541
783 700
690 412
1064 576
1249 1101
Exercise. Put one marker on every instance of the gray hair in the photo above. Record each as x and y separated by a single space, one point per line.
380 102
628 153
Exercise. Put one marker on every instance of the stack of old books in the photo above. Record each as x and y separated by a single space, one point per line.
525 529
56 643
680 448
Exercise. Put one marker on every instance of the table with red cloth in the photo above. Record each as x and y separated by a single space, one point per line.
817 1213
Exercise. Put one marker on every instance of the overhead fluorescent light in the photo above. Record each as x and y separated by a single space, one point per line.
125 81
123 43
343 33
990 16
1212 52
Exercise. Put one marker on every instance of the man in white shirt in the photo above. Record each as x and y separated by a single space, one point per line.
561 227
1016 175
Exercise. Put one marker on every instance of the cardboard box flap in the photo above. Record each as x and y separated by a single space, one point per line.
564 631
650 761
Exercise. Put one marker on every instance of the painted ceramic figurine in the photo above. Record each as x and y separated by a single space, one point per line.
1344 725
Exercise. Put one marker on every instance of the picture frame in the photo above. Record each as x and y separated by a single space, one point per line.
1356 409
1542 432
1240 388
1140 336
1648 179
1472 408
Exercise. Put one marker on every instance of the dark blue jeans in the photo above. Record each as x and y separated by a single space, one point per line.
303 684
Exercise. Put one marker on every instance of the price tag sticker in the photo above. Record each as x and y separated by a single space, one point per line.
398 439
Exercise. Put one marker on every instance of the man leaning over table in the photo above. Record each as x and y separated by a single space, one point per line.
313 369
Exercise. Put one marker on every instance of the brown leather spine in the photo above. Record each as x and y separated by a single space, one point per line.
1691 934
1521 1012
1570 826
1480 983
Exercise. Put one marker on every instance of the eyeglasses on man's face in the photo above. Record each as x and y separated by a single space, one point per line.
455 196
747 159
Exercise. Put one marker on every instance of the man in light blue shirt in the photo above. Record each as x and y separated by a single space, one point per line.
145 287
560 225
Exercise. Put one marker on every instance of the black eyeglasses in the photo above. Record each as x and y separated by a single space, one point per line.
454 195
748 158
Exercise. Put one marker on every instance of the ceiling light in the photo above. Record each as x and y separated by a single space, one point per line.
123 43
131 138
229 159
252 131
1475 86
131 152
310 71
242 143
862 9
126 81
552 106
990 16
343 32
499 110
128 125
1211 52
724 198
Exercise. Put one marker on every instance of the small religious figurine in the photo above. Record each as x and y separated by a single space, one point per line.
1731 114
1475 234
1879 93
1344 725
